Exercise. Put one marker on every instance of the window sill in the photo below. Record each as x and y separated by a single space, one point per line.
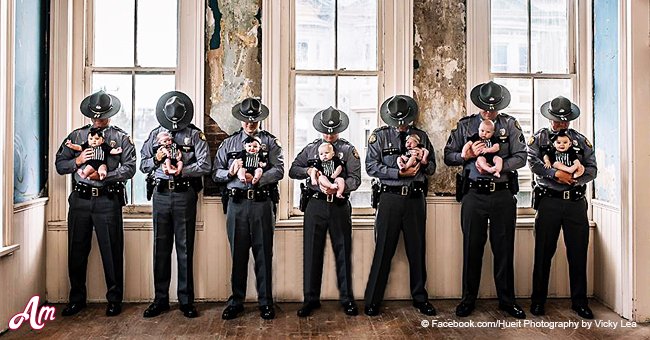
8 250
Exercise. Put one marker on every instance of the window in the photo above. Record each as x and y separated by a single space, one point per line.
335 62
533 55
132 52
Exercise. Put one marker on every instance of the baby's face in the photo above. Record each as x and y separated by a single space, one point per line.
252 147
411 143
326 153
95 140
485 131
165 140
562 143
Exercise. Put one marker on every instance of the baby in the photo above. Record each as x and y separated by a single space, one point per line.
562 155
173 157
489 154
97 163
329 168
415 153
253 161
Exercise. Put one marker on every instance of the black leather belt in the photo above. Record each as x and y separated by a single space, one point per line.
414 189
574 194
487 185
256 195
328 198
87 191
178 185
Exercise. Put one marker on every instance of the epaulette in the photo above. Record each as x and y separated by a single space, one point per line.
506 115
83 127
193 127
264 132
413 127
117 128
383 127
467 117
315 141
344 140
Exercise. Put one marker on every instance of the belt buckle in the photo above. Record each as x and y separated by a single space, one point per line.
493 187
566 195
250 194
171 185
94 192
405 190
330 198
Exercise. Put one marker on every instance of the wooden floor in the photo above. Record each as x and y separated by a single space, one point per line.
399 320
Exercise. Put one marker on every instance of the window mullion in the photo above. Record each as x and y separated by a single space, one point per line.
530 33
135 34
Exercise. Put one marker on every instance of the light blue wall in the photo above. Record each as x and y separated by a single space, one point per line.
606 101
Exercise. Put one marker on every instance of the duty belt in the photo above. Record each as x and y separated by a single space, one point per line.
177 185
574 194
487 185
256 195
329 198
87 191
411 190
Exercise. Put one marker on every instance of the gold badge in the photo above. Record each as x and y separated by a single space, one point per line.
502 132
355 153
531 140
202 136
517 125
187 140
112 144
372 138
588 143
264 147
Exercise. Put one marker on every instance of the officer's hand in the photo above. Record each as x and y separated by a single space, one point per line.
84 156
409 172
326 190
564 177
160 154
477 149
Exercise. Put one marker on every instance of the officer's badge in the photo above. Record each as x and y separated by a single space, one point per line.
502 132
372 138
202 135
131 140
112 144
575 142
187 140
355 153
531 140
264 147
340 155
588 143
517 125
277 142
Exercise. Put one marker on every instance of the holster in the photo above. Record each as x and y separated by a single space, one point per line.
514 182
376 193
197 184
536 197
462 185
304 197
224 200
151 185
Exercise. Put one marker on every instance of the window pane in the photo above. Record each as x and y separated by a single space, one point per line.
545 90
118 85
358 98
312 95
113 29
357 34
549 36
314 34
148 88
509 36
520 107
157 33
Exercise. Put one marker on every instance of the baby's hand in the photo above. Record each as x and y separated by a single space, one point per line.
118 149
68 143
547 164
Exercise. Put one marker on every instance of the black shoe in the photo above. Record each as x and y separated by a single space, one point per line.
73 308
267 312
583 311
464 309
371 309
155 309
113 309
350 308
537 309
425 308
189 311
231 312
514 310
308 308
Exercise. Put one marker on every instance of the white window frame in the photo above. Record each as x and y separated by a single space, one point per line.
69 85
395 58
478 62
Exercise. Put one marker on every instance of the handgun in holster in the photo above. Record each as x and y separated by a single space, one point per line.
376 193
304 196
462 184
513 183
536 196
224 200
121 194
151 185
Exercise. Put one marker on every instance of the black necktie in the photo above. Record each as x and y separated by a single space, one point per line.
402 141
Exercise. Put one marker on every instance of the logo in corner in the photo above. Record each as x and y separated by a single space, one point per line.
36 317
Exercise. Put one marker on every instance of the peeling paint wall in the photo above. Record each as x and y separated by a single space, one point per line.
439 77
233 65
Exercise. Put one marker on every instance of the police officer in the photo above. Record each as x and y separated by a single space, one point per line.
174 199
98 203
560 203
402 206
250 216
324 211
488 197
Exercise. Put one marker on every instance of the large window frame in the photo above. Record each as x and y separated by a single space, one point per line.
395 61
479 56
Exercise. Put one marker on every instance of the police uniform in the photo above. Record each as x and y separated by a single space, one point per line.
489 198
327 212
250 215
561 206
98 204
402 207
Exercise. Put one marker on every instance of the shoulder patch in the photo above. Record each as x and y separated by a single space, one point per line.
277 142
372 139
355 153
517 125
131 140
202 135
588 143
531 140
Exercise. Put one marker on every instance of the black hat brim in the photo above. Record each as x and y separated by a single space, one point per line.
316 122
86 111
388 119
160 113
236 112
505 101
544 110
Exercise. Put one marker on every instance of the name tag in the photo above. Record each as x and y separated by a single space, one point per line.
233 155
391 151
